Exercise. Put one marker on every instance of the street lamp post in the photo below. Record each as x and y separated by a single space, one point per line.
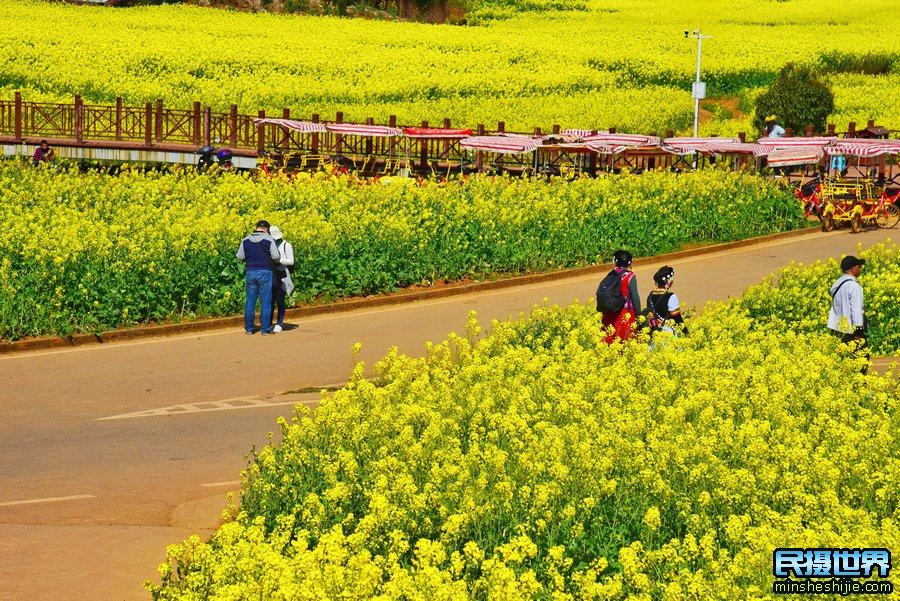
698 90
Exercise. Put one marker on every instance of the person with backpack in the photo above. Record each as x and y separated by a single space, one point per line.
260 253
663 312
282 286
618 298
846 318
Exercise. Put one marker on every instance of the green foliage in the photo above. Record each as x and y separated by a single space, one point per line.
798 98
869 63
120 251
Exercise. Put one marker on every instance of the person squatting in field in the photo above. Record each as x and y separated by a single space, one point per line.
618 299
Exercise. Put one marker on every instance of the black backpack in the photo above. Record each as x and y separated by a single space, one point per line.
609 293
655 317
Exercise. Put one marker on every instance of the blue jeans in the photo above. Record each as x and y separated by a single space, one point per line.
259 285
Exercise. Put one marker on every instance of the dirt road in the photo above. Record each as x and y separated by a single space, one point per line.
109 453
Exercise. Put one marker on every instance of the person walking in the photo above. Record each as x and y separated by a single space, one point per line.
618 298
282 286
260 253
663 307
847 318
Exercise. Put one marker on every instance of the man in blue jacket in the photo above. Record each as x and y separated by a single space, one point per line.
261 254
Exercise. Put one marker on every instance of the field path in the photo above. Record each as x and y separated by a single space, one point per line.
108 453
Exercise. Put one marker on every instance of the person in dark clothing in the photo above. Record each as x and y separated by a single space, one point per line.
663 307
43 154
623 322
260 253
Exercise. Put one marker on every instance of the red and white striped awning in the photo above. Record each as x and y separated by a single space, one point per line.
795 142
501 144
855 149
734 148
359 129
579 133
612 140
695 142
306 127
606 148
436 133
788 157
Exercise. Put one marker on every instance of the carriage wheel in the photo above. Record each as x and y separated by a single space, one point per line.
856 224
888 216
827 223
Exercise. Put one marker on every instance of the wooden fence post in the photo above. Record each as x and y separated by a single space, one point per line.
118 118
286 137
592 164
479 160
207 125
851 129
158 130
18 116
423 156
788 132
232 125
393 142
261 133
810 130
445 150
369 121
831 129
79 120
315 136
742 136
148 124
501 127
198 126
338 139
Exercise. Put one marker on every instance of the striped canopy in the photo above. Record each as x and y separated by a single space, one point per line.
856 149
436 133
604 149
795 142
306 127
788 157
359 129
734 148
695 142
613 140
579 133
501 144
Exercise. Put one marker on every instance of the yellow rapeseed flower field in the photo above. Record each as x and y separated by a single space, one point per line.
620 63
538 462
90 251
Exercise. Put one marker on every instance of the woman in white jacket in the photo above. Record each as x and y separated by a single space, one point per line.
282 285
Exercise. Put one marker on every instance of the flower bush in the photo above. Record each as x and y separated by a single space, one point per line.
797 298
88 252
539 462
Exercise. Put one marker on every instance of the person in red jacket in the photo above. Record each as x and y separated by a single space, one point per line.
623 322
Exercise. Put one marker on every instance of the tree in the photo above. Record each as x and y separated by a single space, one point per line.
798 98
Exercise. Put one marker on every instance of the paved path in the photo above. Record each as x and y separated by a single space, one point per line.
109 453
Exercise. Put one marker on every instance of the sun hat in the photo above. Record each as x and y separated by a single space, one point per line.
771 118
275 232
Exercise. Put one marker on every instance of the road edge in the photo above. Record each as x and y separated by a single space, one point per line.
396 298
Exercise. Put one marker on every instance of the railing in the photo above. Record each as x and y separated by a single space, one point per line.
154 126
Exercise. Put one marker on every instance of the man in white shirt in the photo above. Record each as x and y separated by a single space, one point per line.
846 318
773 130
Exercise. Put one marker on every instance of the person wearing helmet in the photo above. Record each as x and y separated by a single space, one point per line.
773 130
663 307
621 320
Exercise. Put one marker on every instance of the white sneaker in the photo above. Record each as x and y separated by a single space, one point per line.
277 329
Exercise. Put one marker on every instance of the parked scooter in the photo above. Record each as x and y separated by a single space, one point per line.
210 155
